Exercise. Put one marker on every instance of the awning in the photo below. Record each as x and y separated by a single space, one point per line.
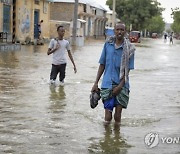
81 20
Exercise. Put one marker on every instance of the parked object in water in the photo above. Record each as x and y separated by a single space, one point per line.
154 35
135 36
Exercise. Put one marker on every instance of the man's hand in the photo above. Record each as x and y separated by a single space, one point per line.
116 90
94 88
57 46
50 51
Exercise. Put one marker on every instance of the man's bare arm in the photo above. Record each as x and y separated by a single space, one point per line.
72 60
50 51
99 74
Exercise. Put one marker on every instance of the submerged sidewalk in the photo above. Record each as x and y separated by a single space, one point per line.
9 47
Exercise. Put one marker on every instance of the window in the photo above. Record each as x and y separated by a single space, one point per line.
6 18
84 7
36 2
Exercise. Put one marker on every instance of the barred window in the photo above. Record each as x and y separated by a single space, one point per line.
36 1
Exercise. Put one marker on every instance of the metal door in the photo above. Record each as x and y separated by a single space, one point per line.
36 21
6 18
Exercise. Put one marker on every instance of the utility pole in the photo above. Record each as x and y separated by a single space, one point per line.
130 27
114 13
14 22
74 30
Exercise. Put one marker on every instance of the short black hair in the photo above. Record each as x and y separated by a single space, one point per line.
120 22
60 26
41 20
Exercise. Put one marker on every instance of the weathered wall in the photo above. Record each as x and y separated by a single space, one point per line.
25 18
61 11
53 28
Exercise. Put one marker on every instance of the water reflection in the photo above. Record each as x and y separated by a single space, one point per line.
111 143
8 60
57 93
57 97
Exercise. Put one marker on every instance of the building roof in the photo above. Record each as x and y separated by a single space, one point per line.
92 3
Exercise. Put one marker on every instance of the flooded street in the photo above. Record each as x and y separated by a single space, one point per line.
38 118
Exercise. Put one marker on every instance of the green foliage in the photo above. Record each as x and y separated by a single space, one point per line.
156 24
136 12
176 24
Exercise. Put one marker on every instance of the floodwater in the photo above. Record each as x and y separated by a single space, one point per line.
38 118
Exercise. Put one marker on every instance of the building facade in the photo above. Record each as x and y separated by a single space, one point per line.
91 16
20 18
110 18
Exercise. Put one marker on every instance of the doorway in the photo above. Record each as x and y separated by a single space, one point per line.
36 21
6 18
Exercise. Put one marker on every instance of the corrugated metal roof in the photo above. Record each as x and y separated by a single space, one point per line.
90 2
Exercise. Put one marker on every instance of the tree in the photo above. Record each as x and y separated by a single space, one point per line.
176 16
156 24
136 12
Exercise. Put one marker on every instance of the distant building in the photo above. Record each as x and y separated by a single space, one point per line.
91 16
168 27
20 18
110 18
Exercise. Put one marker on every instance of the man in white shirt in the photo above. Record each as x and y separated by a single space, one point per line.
59 47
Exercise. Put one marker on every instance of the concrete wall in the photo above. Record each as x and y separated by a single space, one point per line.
25 18
65 12
53 28
81 7
61 11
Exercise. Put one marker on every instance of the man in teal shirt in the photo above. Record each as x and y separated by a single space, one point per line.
116 60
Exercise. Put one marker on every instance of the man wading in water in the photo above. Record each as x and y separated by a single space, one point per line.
58 47
116 60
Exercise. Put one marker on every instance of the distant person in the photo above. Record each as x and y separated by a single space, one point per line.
58 47
171 38
39 29
117 59
148 34
165 37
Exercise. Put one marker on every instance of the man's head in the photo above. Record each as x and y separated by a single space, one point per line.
119 30
41 21
61 31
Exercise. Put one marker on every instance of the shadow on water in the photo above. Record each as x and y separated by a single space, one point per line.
111 143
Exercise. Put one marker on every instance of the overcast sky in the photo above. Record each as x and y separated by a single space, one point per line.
167 4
